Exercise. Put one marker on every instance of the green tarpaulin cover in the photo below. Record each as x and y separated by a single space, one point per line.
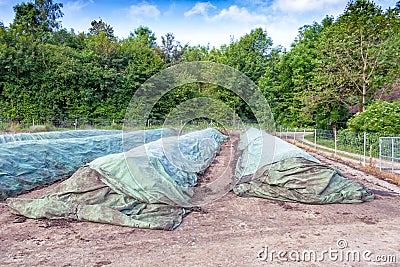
290 174
146 187
85 197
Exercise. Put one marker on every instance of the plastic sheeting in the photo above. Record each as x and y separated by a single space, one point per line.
51 156
85 197
8 138
291 174
139 188
163 171
258 148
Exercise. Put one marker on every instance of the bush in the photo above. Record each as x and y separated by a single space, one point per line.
3 126
380 116
41 128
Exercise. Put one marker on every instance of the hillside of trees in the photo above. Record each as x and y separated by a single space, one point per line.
334 69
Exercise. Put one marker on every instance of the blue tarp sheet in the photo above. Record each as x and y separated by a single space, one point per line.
28 162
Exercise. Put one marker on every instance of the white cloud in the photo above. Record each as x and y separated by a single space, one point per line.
74 6
144 11
171 10
305 5
238 14
199 8
10 3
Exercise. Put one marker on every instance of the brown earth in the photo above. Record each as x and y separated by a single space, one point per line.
231 231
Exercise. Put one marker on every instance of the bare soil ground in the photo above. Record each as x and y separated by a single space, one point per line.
230 231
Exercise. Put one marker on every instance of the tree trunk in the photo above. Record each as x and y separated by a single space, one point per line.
364 93
364 71
364 86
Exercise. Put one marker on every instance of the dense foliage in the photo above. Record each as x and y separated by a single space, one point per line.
336 66
48 73
380 116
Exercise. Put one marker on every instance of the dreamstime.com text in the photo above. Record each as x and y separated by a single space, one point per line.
340 253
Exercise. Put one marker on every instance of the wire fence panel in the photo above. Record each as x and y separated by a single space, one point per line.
389 154
359 147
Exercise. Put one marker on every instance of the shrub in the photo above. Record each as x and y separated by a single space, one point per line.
380 116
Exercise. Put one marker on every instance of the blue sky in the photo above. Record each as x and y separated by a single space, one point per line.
198 22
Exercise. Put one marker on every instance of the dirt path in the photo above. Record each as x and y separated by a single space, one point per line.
231 231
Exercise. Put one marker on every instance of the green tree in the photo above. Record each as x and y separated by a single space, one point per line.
358 54
145 36
68 38
49 13
196 53
171 51
100 27
289 74
250 54
39 16
104 48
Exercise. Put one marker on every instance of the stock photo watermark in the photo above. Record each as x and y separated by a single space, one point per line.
339 253
174 79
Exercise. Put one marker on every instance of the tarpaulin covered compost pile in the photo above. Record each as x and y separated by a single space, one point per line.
291 174
143 187
30 160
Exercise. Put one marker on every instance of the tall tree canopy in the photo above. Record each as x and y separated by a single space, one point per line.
41 15
100 27
145 36
51 73
358 54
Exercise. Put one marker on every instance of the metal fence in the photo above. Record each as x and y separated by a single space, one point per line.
367 149
67 123
389 153
84 123
373 149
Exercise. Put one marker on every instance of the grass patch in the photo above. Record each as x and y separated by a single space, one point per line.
331 144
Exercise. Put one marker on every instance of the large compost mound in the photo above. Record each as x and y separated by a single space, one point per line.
139 188
291 174
31 160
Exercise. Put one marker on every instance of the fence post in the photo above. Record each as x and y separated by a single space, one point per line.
380 154
76 123
335 137
365 148
315 139
392 155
